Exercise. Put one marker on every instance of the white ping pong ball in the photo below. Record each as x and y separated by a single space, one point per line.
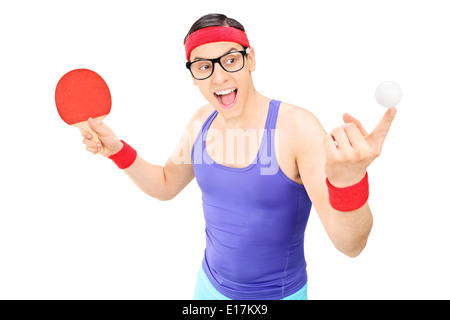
388 94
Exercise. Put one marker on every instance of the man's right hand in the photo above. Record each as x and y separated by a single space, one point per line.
108 140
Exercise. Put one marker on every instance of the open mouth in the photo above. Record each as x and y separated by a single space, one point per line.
226 97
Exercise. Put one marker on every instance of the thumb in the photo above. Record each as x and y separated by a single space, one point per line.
96 126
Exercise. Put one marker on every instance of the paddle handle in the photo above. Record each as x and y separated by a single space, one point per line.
85 126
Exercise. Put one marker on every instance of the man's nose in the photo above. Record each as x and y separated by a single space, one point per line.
219 75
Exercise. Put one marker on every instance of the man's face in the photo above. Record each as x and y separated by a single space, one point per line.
226 91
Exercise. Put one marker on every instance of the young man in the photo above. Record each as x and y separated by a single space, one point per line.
257 195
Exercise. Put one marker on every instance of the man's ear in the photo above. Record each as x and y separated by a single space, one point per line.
251 60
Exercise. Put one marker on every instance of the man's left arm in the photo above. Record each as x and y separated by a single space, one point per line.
343 157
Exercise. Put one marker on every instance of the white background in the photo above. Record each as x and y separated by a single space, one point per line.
73 226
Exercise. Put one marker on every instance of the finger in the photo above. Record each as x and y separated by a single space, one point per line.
354 135
85 133
93 150
97 126
340 137
378 135
349 119
330 146
92 144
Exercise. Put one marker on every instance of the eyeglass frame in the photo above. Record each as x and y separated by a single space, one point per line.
217 60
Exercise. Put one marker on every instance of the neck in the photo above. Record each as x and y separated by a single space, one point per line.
252 113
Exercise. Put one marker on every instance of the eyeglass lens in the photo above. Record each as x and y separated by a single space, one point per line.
231 62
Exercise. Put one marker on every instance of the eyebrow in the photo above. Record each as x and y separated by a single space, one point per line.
198 58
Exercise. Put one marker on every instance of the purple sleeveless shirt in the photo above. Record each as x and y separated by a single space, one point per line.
255 219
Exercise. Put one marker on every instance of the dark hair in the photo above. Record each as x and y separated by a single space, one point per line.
214 20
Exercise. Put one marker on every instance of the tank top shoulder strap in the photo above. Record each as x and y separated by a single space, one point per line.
209 120
197 148
271 124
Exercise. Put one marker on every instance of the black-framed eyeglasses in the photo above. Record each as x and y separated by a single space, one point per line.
231 62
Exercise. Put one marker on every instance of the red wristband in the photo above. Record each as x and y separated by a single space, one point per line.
125 157
349 198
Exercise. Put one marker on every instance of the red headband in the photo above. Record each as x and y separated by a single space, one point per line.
214 34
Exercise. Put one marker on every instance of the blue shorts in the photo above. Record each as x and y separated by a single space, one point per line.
204 290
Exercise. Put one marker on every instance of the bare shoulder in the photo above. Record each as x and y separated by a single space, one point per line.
199 116
195 123
298 121
202 113
300 131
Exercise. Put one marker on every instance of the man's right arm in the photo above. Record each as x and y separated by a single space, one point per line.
160 182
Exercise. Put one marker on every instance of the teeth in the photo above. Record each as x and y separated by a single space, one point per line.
224 92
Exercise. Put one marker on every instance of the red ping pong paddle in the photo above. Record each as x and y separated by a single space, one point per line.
81 94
